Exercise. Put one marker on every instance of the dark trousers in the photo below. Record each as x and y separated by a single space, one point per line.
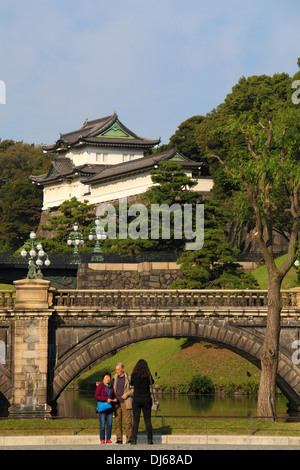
138 404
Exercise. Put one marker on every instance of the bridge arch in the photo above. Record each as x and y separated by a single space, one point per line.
245 342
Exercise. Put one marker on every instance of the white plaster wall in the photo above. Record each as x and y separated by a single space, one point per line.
56 194
95 155
132 185
204 184
125 187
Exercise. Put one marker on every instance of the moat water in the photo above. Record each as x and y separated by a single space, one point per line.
82 404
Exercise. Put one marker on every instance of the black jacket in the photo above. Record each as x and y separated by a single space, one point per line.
141 386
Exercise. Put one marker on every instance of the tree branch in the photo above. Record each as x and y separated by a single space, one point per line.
224 164
250 146
269 134
291 256
266 247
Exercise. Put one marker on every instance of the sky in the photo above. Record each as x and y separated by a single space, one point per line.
155 63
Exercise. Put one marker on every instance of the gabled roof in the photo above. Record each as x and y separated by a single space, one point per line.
107 131
62 167
139 165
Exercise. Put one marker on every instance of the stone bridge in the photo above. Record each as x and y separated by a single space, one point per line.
48 336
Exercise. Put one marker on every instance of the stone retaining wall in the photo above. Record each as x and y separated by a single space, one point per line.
147 275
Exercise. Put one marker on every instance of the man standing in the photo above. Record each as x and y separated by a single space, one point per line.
123 391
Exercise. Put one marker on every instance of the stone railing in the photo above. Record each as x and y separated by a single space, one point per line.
7 299
158 299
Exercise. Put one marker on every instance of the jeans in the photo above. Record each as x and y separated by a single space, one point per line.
105 417
138 404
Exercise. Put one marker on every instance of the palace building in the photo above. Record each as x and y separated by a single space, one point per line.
104 161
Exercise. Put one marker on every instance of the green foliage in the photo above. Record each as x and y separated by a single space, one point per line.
172 186
20 203
60 226
215 265
249 388
201 384
130 245
255 135
19 159
20 200
187 140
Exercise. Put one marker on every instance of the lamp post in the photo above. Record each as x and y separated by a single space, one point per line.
97 233
75 238
35 261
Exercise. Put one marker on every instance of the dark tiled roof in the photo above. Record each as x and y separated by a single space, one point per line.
62 167
87 135
139 165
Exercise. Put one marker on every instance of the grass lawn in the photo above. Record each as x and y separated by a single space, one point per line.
173 363
7 286
289 281
167 426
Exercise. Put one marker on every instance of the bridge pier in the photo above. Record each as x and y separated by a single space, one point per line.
30 348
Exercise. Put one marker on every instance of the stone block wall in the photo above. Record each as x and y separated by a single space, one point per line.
30 362
30 347
147 275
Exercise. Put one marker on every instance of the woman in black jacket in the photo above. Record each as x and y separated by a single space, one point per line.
140 380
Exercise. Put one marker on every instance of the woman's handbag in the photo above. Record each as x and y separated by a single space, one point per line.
103 405
155 403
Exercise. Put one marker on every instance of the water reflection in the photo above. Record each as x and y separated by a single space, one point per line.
82 404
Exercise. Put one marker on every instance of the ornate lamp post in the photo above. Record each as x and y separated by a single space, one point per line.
35 261
75 238
97 233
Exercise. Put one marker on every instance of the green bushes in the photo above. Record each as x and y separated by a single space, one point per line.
250 388
201 384
245 388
